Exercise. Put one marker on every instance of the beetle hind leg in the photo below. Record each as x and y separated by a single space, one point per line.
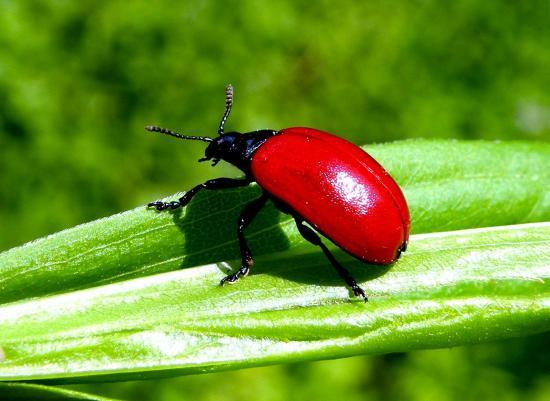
312 237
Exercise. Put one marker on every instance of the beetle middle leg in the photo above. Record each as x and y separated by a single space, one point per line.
312 237
246 217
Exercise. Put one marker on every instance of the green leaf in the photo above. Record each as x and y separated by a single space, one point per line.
449 185
37 392
450 289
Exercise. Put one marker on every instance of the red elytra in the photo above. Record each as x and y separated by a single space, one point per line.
337 188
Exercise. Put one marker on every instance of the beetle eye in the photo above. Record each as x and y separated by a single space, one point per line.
215 161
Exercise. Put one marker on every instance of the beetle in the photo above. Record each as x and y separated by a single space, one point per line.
334 186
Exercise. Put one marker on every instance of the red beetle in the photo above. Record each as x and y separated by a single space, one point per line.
318 178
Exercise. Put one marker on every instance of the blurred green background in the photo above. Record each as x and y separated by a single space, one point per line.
80 79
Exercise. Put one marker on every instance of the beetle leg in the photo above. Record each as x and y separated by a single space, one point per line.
312 237
246 217
217 183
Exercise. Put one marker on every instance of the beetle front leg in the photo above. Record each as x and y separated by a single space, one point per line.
250 211
312 237
217 183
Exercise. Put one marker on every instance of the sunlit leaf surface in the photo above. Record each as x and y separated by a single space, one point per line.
450 288
449 185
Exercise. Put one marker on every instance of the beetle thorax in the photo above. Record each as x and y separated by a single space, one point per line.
236 148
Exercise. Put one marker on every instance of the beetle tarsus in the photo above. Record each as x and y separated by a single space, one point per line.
358 292
234 277
160 205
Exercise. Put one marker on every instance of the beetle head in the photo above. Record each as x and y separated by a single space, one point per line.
221 148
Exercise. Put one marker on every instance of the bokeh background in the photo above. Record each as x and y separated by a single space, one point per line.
80 79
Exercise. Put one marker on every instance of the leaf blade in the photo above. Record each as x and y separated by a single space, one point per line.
450 289
31 392
438 178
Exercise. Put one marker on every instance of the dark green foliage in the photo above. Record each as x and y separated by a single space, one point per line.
79 80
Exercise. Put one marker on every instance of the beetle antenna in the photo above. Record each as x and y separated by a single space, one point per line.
154 128
228 104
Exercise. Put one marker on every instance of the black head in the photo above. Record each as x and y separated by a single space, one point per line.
220 147
233 147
